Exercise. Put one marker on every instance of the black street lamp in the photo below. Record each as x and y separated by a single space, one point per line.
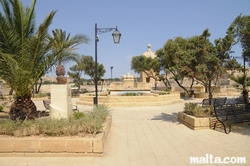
111 73
116 36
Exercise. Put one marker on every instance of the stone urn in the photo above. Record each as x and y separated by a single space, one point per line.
60 72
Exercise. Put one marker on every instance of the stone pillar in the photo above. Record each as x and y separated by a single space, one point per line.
61 106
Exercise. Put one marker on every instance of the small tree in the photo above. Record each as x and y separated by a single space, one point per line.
86 64
65 45
149 66
241 32
175 59
76 74
194 58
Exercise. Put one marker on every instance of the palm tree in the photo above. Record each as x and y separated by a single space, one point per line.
244 81
65 45
25 53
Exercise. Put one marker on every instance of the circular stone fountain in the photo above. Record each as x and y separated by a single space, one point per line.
129 85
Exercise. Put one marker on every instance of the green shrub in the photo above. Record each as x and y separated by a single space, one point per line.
197 110
8 127
1 108
39 95
131 94
80 123
167 91
93 120
78 115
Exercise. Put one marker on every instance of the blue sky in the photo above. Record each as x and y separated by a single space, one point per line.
140 23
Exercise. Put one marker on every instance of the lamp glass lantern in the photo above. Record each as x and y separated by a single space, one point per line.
116 36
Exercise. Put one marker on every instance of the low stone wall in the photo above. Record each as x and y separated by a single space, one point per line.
131 101
55 146
205 95
196 123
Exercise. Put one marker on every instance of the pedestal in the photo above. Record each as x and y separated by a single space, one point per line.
61 106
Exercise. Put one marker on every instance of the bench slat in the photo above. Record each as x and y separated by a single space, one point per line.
214 101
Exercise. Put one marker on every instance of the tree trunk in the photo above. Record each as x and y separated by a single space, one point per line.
37 89
210 93
11 91
23 109
181 86
206 89
245 96
192 83
79 84
102 82
167 83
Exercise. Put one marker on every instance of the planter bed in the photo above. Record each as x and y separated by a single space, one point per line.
196 123
55 146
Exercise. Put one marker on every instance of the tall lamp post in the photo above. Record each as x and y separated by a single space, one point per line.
116 36
111 73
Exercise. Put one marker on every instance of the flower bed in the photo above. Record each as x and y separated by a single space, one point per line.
197 117
56 146
194 122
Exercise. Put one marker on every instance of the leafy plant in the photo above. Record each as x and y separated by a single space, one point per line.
78 115
198 111
40 95
80 123
1 108
130 94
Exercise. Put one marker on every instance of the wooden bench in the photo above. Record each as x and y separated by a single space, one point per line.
46 104
215 101
231 114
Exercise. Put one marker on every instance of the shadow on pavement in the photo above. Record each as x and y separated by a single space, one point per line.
167 117
241 128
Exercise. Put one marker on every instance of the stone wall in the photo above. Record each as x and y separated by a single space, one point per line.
131 101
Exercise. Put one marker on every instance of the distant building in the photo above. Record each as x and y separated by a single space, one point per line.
144 77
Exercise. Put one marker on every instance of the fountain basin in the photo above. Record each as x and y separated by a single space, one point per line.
130 101
129 91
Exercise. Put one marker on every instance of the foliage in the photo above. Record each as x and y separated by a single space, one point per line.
198 111
240 29
174 58
243 80
79 124
131 94
76 74
87 65
78 115
65 45
145 64
25 50
93 120
149 66
1 108
39 95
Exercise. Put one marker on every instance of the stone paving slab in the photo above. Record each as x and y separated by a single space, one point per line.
142 136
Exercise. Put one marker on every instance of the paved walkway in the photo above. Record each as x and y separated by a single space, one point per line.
152 136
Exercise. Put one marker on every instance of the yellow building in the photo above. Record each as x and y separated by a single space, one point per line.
143 76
